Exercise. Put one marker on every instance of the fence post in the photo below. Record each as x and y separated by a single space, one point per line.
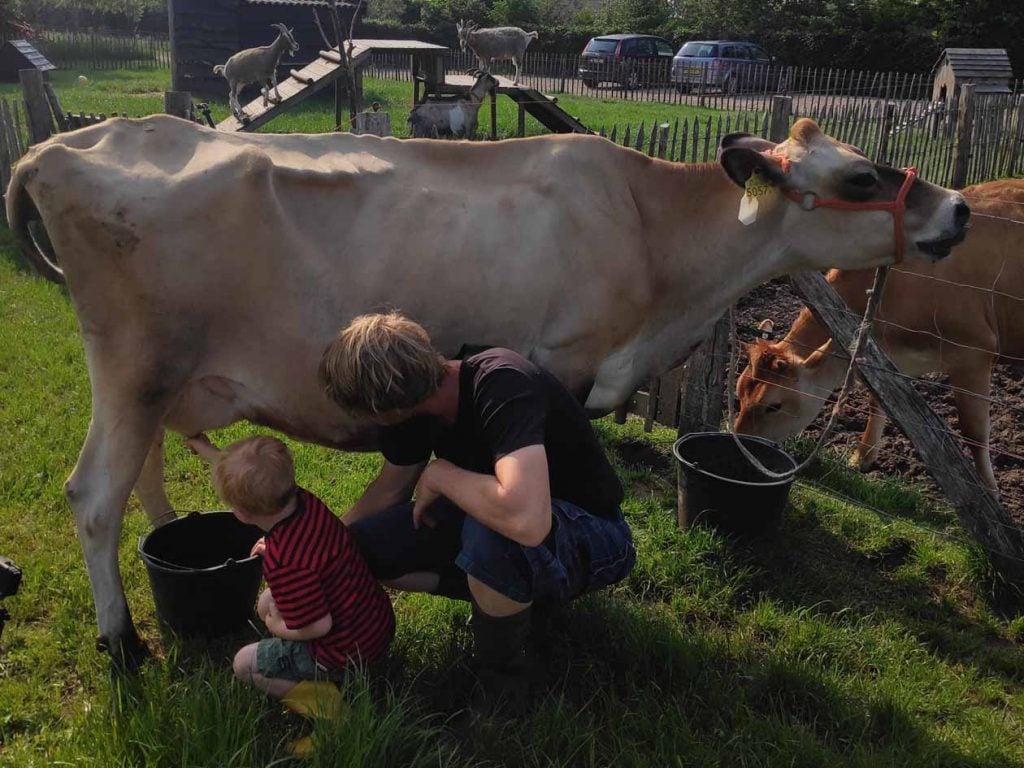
37 107
521 122
778 127
1015 149
977 508
964 132
701 400
888 119
178 104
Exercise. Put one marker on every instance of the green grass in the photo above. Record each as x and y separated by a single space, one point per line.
141 93
852 638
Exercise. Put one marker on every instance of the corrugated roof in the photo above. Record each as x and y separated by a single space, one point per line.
977 62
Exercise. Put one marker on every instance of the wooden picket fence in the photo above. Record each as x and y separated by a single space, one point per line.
103 50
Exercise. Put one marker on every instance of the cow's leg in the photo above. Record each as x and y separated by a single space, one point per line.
273 80
119 439
515 60
150 486
866 453
972 387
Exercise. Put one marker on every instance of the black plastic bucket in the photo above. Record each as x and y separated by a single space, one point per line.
204 581
722 488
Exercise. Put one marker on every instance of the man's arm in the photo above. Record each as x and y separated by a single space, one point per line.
393 485
319 628
515 501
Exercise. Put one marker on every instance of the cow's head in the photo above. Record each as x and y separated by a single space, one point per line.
289 38
823 195
779 392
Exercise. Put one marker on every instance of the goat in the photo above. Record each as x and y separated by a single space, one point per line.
451 119
257 65
495 43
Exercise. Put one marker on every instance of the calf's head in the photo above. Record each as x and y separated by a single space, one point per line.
832 207
779 392
464 28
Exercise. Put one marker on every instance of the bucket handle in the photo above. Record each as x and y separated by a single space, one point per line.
184 568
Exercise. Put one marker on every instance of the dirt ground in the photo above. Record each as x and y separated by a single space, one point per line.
897 456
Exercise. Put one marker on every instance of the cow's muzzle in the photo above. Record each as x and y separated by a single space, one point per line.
940 249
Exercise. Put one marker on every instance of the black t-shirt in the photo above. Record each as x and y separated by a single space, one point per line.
507 403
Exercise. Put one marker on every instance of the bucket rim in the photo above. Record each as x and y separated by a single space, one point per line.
167 567
769 482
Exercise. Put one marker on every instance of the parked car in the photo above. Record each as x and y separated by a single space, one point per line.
627 59
727 65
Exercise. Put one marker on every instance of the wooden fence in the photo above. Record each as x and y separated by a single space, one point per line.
99 49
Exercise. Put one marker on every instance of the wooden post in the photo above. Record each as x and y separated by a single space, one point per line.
964 131
778 129
888 120
701 399
338 102
977 507
37 108
178 104
521 122
1018 142
494 115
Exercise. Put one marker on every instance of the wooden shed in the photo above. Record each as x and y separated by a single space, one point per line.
207 32
20 54
988 68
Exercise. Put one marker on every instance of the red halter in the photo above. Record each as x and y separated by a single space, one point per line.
809 201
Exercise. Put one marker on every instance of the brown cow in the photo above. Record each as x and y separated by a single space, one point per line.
209 270
958 317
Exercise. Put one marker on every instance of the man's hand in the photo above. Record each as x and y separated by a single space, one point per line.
427 493
202 447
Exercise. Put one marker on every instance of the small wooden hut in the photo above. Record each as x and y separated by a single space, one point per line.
20 54
988 68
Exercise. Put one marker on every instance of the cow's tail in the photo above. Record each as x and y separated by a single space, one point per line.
218 69
534 35
27 225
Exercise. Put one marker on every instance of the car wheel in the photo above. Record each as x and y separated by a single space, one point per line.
631 80
590 82
732 85
682 87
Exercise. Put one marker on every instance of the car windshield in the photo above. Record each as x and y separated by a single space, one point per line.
699 50
600 45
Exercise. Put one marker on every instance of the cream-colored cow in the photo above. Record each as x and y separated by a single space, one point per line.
209 271
958 317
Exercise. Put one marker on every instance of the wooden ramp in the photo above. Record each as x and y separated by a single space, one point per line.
317 75
544 108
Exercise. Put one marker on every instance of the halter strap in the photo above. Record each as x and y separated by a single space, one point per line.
809 201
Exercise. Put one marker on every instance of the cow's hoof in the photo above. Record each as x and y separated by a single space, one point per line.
127 653
862 461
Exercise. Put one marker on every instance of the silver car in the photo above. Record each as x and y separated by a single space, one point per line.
725 65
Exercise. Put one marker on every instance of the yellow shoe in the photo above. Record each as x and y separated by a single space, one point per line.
315 699
302 748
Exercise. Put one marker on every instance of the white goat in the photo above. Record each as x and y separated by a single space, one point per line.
257 65
451 119
495 44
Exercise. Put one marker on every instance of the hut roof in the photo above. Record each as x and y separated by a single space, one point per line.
21 54
990 63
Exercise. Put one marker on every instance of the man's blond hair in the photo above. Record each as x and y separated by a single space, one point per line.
256 475
381 363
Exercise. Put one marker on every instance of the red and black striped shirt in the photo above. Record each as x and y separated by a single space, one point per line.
312 566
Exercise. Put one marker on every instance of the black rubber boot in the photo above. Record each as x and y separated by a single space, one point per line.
501 662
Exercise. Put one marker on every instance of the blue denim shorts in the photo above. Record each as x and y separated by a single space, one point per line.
583 552
290 660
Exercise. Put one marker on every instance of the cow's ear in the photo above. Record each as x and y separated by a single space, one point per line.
745 140
741 162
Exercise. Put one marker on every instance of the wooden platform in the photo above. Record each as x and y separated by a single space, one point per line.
317 75
544 108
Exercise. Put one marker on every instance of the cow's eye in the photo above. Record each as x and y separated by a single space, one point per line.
863 180
773 408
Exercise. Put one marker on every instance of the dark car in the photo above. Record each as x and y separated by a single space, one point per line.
629 60
726 65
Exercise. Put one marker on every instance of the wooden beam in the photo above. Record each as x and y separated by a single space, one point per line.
976 506
37 107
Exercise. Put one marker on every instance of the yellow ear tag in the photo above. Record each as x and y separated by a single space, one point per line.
756 186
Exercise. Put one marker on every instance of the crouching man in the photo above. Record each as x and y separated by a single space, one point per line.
519 506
